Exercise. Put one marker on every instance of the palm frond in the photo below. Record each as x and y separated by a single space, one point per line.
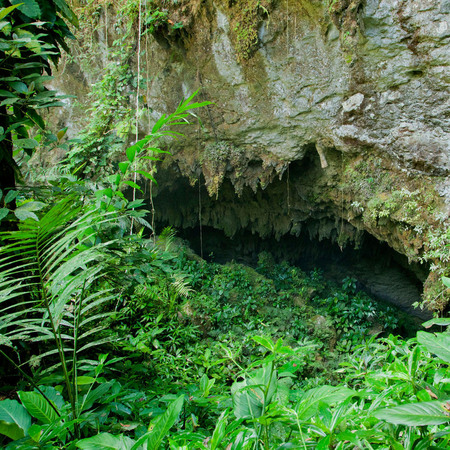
48 268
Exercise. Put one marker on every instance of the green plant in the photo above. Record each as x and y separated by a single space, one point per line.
32 34
51 269
246 17
56 280
157 19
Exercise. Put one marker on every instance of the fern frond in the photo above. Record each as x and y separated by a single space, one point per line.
181 285
47 269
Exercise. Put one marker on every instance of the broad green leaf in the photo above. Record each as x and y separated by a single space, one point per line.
265 342
20 87
251 395
3 213
439 344
413 361
67 12
32 206
415 414
123 166
219 431
7 94
83 380
5 11
10 196
108 192
424 396
104 441
133 185
53 395
14 419
146 175
206 385
94 395
26 143
446 281
33 44
61 133
24 214
135 204
309 403
9 101
441 321
38 407
12 430
159 427
29 7
131 152
36 118
35 432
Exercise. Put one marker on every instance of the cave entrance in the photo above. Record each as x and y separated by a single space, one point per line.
281 220
380 271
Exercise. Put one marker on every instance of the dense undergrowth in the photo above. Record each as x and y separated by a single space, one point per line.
182 353
110 340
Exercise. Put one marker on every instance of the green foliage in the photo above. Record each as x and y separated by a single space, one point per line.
416 414
269 404
439 344
14 419
156 20
246 19
32 34
110 124
50 273
384 200
38 407
202 355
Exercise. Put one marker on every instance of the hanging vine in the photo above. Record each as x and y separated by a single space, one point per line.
137 100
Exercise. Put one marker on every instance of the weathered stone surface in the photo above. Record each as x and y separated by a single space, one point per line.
359 82
353 103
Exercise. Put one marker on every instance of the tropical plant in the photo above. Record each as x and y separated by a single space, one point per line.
32 34
51 290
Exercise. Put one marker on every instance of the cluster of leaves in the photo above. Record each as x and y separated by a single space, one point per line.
355 313
58 278
112 99
32 33
179 369
157 19
395 396
167 320
384 199
111 121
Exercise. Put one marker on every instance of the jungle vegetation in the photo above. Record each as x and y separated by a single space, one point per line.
114 338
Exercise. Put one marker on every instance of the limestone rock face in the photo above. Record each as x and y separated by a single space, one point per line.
334 118
358 77
381 85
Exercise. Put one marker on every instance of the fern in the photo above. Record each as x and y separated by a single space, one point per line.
50 290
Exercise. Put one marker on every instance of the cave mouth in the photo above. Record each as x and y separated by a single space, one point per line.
288 219
379 270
